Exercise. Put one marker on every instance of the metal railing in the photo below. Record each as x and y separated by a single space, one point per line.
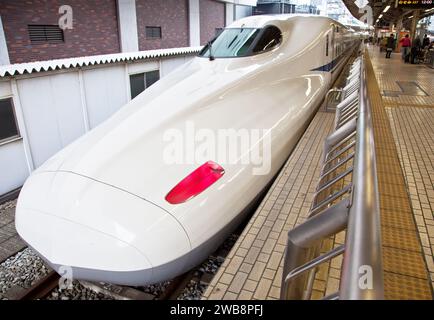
346 198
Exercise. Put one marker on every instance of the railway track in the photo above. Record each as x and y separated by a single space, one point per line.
199 275
173 290
38 291
44 286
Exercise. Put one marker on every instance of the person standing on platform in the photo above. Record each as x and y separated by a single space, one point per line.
390 46
415 49
405 47
425 42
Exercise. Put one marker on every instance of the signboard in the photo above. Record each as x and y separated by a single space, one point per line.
416 4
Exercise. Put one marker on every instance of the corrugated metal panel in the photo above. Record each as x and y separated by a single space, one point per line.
57 64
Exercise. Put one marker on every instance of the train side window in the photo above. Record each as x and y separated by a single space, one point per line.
327 45
141 81
271 37
8 122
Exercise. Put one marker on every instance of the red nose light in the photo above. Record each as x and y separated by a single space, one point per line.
196 182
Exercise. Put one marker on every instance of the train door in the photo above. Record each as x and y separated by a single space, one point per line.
333 47
328 54
329 48
327 51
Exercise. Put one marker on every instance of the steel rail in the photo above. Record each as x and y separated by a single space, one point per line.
37 291
362 270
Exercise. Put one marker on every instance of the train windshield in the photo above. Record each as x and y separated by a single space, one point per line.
241 42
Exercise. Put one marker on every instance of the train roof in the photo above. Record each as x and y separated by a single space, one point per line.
260 21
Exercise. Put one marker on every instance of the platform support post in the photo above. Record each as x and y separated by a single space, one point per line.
414 21
399 25
398 33
194 23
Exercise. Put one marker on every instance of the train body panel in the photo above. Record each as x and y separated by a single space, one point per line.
113 181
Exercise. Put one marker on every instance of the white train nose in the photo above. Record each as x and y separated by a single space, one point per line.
102 232
63 243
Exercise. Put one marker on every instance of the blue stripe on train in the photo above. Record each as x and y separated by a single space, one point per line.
329 66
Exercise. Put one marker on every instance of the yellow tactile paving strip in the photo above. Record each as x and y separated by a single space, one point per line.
414 130
406 274
253 268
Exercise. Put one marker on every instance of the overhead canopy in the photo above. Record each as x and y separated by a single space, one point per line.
393 14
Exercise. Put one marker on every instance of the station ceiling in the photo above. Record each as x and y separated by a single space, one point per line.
392 15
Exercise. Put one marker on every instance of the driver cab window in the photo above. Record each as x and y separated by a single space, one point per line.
242 42
271 37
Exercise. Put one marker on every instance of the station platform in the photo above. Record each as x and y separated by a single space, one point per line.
402 103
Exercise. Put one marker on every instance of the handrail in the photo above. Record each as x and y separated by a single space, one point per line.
359 214
362 271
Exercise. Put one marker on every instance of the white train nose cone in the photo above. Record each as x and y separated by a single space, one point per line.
103 233
63 243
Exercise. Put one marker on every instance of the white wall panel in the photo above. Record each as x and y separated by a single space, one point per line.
105 92
52 112
5 89
139 67
168 65
13 167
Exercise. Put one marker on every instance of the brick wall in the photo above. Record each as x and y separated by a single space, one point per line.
170 15
212 16
95 28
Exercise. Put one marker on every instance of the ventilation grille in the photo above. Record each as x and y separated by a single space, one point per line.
45 33
153 32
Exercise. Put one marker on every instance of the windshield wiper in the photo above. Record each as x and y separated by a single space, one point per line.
211 57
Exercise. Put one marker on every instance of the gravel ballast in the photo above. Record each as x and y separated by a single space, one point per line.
77 292
23 269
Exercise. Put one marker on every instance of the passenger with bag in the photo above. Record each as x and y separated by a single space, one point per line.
405 48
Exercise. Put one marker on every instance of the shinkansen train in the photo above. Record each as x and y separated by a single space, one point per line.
114 206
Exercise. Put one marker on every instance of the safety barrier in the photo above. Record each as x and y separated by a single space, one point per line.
346 198
429 58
